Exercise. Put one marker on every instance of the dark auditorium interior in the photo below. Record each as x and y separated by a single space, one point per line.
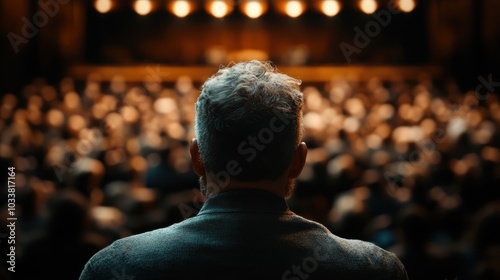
401 120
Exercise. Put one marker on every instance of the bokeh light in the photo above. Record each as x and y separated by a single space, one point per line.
181 8
330 7
219 8
165 105
294 8
143 7
368 6
103 6
55 118
76 123
72 100
253 8
406 5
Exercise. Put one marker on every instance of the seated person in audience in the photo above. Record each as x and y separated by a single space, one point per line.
65 245
247 152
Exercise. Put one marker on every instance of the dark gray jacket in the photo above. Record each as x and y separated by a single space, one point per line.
243 234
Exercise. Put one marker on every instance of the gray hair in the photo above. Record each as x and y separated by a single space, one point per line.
243 103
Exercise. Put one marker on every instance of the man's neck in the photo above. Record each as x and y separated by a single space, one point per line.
278 187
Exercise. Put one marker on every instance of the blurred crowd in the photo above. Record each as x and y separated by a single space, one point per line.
412 166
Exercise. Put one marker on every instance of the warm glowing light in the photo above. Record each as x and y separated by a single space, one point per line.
181 8
330 7
129 114
294 8
72 100
368 6
165 105
138 163
253 9
76 123
491 154
406 5
55 118
219 8
103 6
143 7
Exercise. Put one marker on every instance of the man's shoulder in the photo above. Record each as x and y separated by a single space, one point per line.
366 258
358 259
152 239
137 254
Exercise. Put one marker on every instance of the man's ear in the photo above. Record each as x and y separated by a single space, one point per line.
198 166
298 161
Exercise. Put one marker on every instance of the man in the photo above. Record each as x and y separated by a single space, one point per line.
247 153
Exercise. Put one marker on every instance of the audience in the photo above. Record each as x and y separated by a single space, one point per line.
64 244
412 166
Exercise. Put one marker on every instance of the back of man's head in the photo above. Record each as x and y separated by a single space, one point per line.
248 122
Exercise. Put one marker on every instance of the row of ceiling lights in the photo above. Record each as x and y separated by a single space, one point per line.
251 8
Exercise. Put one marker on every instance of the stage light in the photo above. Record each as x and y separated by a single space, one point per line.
294 8
219 8
253 8
368 6
329 7
143 7
406 5
181 8
103 6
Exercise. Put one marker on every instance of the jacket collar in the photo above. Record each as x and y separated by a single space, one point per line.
247 200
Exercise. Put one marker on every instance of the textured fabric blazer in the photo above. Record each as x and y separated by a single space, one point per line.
243 234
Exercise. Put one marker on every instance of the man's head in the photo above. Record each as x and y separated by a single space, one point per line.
248 126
